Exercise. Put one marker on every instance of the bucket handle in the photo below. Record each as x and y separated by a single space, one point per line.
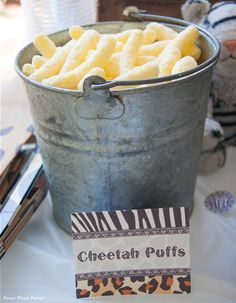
132 13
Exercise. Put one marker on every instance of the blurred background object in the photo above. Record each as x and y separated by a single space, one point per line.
111 10
220 127
53 15
18 25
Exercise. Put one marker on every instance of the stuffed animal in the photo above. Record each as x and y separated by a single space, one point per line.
220 20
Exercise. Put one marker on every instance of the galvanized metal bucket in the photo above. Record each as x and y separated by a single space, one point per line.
121 149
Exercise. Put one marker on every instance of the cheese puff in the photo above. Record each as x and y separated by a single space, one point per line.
38 61
130 51
96 71
99 58
44 45
109 35
76 32
144 59
119 46
167 63
146 71
173 51
123 36
28 69
90 52
53 65
153 49
77 55
108 78
112 69
116 56
183 65
149 36
192 50
186 37
162 32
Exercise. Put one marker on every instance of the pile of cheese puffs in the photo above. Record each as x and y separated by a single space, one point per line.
156 51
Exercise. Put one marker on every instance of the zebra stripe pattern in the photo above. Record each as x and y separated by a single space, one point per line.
171 219
219 202
214 19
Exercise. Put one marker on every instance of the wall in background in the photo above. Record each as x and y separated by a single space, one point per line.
109 10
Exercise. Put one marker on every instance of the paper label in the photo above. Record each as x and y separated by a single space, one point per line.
144 251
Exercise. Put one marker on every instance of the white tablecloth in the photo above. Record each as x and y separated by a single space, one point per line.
40 262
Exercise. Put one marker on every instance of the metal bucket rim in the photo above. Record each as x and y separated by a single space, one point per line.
158 81
126 91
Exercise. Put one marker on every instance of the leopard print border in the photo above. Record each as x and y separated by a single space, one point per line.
166 284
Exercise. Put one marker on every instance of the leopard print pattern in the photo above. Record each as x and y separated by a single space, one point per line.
167 284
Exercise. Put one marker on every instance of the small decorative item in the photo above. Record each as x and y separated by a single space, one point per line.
220 20
219 201
213 153
131 252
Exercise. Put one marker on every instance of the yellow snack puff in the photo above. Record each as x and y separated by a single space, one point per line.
124 36
146 71
186 37
38 61
192 50
78 53
116 56
119 46
53 65
44 45
76 32
162 32
28 69
153 49
130 51
108 77
167 63
96 71
99 58
144 59
112 69
104 51
108 35
149 36
90 52
183 65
